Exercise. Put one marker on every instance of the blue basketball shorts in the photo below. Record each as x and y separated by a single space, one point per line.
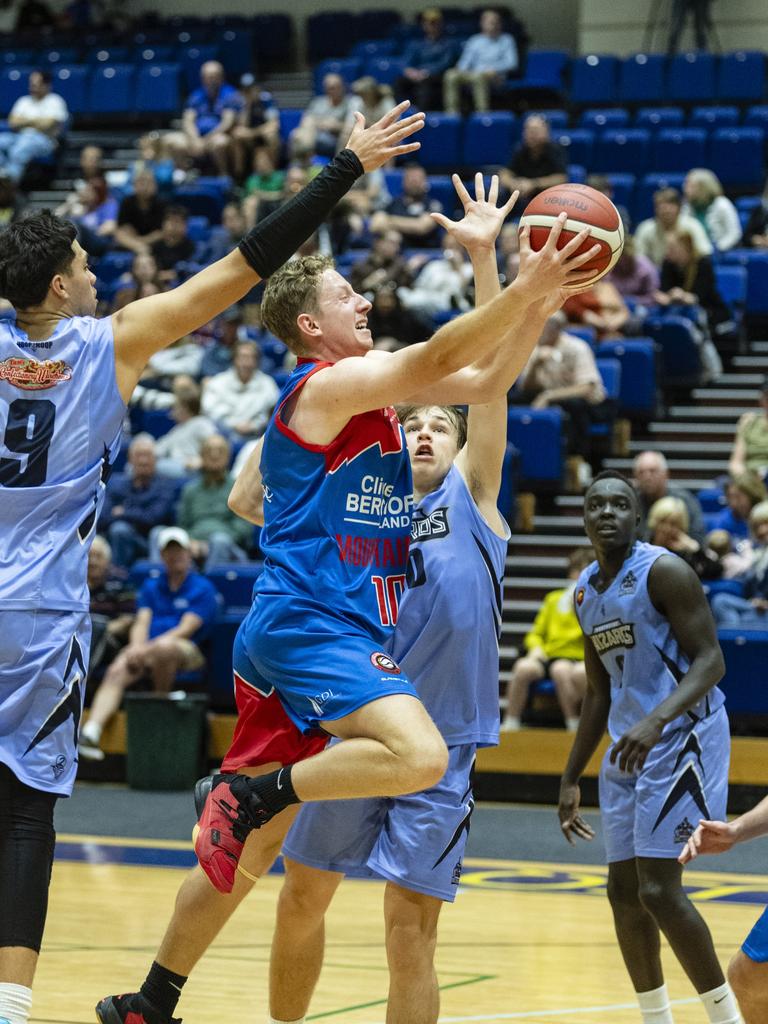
416 841
321 670
652 813
43 667
755 945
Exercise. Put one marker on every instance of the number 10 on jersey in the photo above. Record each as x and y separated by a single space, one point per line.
389 590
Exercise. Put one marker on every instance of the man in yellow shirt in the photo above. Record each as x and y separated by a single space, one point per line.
555 650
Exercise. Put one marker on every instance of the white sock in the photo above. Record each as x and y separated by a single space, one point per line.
91 731
721 1005
654 1006
511 722
572 724
274 1020
15 1003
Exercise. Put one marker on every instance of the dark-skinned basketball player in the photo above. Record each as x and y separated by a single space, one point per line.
653 664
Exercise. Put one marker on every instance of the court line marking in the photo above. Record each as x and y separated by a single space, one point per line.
383 1002
529 1014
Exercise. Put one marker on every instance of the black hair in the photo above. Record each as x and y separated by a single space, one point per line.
45 76
612 474
177 211
32 251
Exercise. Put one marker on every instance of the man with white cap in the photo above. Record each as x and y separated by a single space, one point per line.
176 612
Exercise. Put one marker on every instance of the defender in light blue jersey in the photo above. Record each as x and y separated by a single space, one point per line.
653 664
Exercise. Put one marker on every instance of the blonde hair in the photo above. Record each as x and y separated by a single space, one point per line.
759 514
668 508
291 291
100 544
708 182
751 484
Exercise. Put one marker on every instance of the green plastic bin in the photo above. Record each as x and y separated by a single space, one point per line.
166 739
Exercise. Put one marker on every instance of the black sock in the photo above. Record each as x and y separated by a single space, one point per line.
275 789
162 989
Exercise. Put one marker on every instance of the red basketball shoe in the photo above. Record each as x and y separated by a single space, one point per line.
130 1009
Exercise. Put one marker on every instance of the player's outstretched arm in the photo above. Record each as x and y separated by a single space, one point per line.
148 325
676 592
721 836
592 726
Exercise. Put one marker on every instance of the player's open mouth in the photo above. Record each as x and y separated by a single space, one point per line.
424 449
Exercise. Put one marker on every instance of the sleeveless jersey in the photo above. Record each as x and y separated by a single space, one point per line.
447 636
636 644
337 521
60 422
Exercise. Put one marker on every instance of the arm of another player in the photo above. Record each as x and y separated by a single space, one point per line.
675 590
592 726
720 836
246 499
144 327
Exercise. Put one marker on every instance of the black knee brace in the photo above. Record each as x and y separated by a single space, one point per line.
27 840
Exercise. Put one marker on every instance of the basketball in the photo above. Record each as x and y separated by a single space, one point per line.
586 208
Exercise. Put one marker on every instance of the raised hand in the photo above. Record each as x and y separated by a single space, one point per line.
385 139
709 837
482 220
571 822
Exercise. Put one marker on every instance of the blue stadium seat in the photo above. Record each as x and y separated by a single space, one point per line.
235 583
679 149
156 422
202 200
680 354
714 117
585 332
544 70
623 186
328 32
637 389
112 89
556 119
220 679
610 371
393 179
377 22
488 138
643 204
757 116
289 119
368 49
193 58
711 499
385 69
349 68
691 78
578 143
622 149
741 76
737 157
14 82
156 53
157 88
641 78
610 117
537 434
18 57
593 79
745 653
107 55
71 83
441 141
198 228
65 55
441 188
732 284
576 173
756 265
273 37
237 49
659 117
113 264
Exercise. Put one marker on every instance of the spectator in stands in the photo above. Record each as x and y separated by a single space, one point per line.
373 100
537 163
144 280
257 126
174 245
748 611
226 236
756 229
385 265
486 60
441 285
705 201
176 612
241 398
508 252
91 164
36 122
140 216
410 212
155 158
112 606
99 209
742 493
750 450
34 15
652 235
136 501
688 279
264 184
554 650
668 525
426 61
217 534
634 276
562 371
323 122
11 204
601 307
208 120
227 332
179 451
650 475
392 325
601 183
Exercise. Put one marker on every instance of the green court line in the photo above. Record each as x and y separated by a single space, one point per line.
382 1002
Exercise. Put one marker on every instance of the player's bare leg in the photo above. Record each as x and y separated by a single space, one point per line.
18 965
637 931
749 981
411 936
298 942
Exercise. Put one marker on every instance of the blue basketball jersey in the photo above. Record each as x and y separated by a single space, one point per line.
636 644
337 522
60 422
447 635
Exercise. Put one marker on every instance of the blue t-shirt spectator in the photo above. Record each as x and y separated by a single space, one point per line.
196 594
726 520
210 109
484 53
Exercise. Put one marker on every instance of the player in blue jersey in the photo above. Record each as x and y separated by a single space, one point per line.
653 664
748 970
65 378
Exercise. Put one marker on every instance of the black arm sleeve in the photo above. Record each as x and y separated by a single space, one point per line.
267 246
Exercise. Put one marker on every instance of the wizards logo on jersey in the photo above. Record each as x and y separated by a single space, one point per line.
433 525
610 635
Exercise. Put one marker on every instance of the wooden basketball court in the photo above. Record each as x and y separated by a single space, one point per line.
527 942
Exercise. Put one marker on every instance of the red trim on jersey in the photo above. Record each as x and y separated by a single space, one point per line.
284 428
